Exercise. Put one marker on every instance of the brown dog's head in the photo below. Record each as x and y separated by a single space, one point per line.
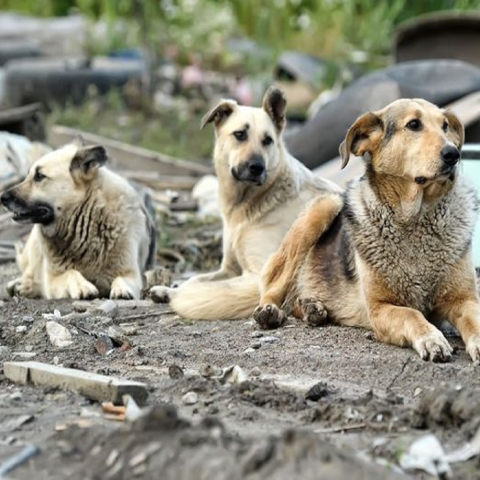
247 138
411 139
55 183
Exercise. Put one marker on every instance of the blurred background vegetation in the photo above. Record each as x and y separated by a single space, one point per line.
320 27
242 38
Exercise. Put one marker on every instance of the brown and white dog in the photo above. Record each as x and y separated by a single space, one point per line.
263 189
91 236
394 254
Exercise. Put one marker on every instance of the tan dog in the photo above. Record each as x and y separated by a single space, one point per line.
262 191
395 253
92 235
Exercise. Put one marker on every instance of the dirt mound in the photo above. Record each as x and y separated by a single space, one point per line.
163 442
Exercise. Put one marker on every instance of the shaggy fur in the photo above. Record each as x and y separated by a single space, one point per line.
396 256
262 191
92 236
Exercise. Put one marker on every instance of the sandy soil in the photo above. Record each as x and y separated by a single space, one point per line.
368 403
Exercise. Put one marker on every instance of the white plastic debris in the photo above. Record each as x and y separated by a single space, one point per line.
427 454
132 410
469 450
59 336
190 398
233 374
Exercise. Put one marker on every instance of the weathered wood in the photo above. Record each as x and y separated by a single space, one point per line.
467 108
128 157
91 385
158 181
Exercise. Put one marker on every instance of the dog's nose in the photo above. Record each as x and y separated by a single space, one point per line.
256 167
6 197
450 155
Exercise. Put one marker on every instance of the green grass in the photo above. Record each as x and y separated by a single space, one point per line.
166 131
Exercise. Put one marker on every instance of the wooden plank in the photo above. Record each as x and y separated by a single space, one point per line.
91 385
161 182
129 157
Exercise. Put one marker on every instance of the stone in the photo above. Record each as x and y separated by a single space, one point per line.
190 398
103 344
21 328
59 335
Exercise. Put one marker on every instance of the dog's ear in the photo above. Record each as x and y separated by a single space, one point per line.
79 140
87 161
456 128
219 113
275 104
362 136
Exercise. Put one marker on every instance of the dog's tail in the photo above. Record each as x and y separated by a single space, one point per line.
231 299
280 272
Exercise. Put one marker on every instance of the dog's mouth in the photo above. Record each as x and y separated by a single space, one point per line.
447 173
35 213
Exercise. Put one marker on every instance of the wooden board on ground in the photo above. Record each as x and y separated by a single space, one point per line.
129 157
91 385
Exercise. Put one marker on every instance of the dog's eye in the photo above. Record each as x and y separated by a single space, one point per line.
38 177
268 140
415 125
241 135
445 126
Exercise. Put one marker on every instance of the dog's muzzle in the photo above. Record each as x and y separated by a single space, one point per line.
253 170
450 156
27 213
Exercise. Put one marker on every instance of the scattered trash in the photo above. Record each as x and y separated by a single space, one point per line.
175 372
103 344
21 329
13 462
469 450
427 454
59 336
233 374
190 398
132 410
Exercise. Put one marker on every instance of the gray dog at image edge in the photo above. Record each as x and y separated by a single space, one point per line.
92 235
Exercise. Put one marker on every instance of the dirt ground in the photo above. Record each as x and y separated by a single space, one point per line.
368 402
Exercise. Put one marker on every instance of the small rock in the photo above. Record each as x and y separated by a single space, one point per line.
126 346
318 391
109 308
255 372
257 334
56 360
417 391
59 336
29 348
2 303
28 319
4 352
16 396
369 335
103 344
21 329
116 334
256 345
269 339
175 372
209 371
248 350
190 398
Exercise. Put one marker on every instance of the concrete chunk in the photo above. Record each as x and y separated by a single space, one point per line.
91 385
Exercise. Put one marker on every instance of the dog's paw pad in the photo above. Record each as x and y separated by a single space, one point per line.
269 316
473 349
313 312
434 347
160 294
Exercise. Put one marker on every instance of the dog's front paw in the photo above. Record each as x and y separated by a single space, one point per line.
473 348
433 346
160 294
82 290
313 312
120 290
269 316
